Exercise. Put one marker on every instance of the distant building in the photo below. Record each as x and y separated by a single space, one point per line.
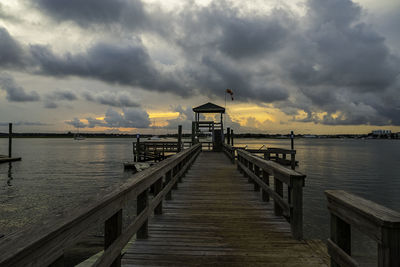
381 132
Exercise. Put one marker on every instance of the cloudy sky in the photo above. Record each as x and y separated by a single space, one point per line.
314 66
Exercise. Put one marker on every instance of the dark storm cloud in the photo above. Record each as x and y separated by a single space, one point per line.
127 64
89 12
11 53
16 93
326 62
25 123
62 95
129 118
115 100
184 118
342 67
76 123
51 100
342 51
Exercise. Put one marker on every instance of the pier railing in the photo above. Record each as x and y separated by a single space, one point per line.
44 245
229 151
379 223
260 171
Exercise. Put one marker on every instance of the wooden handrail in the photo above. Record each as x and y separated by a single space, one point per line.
259 172
378 222
229 151
44 244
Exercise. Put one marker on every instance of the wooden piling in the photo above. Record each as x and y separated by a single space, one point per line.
193 132
231 137
142 204
228 135
291 140
112 230
138 148
10 140
179 138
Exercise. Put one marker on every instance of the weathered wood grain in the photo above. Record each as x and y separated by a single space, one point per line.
216 218
378 222
40 245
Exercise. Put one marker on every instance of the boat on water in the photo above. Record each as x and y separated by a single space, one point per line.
79 137
154 138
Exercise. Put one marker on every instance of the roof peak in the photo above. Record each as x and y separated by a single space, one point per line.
209 108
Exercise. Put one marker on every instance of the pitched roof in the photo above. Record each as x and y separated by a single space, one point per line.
209 108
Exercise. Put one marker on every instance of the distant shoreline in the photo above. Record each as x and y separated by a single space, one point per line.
245 135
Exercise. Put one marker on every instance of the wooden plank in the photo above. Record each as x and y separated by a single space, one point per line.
112 230
215 218
43 244
275 196
371 211
340 256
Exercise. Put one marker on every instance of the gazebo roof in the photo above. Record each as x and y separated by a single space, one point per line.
209 108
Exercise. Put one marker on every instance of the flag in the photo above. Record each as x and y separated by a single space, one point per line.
229 91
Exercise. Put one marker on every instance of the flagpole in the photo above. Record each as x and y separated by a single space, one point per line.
225 114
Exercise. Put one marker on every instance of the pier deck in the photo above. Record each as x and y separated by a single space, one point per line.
216 218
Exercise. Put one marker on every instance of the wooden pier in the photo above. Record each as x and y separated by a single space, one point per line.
216 218
209 208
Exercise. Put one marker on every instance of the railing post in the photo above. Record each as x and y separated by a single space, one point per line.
231 137
296 210
257 173
142 204
179 169
112 230
340 235
59 262
249 166
174 172
265 178
157 189
179 138
279 190
239 159
168 175
138 148
389 249
293 160
228 135
10 140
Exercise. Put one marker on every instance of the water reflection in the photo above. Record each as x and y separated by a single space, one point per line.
9 174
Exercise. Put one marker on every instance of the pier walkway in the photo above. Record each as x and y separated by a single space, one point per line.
216 218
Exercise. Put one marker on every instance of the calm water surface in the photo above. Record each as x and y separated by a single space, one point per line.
58 174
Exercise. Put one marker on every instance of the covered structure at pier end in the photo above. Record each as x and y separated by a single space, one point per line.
216 128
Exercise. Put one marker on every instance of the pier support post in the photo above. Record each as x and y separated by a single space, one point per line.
265 178
10 140
279 190
193 132
341 235
291 140
179 138
257 173
231 137
138 148
142 204
228 135
168 175
157 189
112 230
174 172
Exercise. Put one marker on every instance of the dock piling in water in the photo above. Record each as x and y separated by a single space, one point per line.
10 140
